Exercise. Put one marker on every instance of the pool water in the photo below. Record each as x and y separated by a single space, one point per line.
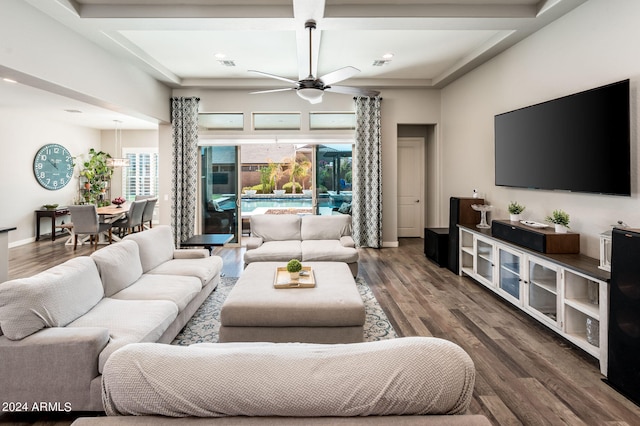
250 204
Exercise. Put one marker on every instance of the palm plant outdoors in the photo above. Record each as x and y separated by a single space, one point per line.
297 170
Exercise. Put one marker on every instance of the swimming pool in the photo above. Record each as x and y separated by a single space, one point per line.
250 204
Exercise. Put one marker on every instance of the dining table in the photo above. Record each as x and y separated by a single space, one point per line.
107 214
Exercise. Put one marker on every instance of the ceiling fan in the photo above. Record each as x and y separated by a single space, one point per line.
311 88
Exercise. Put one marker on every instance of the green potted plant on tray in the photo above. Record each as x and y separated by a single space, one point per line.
294 267
560 219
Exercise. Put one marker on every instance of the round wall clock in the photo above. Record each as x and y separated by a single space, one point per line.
53 166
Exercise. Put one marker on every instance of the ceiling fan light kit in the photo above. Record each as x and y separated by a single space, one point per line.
314 96
311 89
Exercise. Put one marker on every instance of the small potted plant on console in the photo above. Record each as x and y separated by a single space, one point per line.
294 267
515 210
560 219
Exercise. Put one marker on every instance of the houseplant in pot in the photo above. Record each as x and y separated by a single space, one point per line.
560 219
515 211
294 267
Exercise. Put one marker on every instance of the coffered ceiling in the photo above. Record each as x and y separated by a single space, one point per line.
433 42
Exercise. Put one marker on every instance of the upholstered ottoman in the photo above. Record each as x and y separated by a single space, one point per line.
330 312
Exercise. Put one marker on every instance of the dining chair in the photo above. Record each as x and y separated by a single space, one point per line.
147 214
85 222
133 221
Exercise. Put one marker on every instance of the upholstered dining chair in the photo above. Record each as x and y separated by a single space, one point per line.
86 222
147 214
133 221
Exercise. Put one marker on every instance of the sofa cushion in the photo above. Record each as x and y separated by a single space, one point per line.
406 376
204 268
327 250
175 288
128 321
156 246
318 227
52 298
119 266
276 227
273 251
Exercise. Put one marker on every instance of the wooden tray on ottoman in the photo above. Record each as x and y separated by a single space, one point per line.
283 280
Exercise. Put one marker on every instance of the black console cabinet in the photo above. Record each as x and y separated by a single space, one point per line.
624 314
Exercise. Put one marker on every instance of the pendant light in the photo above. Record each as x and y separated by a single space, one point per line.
118 162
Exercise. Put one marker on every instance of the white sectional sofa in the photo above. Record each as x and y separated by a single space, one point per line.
59 327
311 238
405 381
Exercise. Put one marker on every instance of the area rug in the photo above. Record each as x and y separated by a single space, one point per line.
205 323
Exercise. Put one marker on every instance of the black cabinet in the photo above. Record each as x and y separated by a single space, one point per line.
436 244
624 314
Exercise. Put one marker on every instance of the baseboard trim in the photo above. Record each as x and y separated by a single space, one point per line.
390 244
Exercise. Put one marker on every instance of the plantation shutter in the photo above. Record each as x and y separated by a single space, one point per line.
141 177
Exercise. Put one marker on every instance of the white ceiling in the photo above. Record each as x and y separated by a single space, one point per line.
433 42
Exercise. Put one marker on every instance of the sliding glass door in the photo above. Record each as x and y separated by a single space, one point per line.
238 182
333 178
219 189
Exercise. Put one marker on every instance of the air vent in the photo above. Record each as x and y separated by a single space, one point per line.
227 63
380 62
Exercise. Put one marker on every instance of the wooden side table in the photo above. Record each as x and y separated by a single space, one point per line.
49 213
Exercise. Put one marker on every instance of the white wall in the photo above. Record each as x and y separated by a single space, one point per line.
22 135
596 44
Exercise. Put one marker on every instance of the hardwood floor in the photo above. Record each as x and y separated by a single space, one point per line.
526 374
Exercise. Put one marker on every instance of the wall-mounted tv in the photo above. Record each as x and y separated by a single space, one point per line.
579 143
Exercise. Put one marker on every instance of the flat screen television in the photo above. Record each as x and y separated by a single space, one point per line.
579 143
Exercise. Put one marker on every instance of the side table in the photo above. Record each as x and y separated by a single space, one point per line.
207 241
436 245
51 213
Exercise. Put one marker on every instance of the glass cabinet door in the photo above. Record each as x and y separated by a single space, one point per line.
484 261
542 296
510 279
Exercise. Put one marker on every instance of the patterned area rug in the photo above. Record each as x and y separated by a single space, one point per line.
205 323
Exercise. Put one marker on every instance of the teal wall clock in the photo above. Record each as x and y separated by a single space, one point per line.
53 166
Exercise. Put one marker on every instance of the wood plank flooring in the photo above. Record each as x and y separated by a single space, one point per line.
526 374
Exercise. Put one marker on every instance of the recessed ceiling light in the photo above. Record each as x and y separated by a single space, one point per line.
387 56
220 55
8 80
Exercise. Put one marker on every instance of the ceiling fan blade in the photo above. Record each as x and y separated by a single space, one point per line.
277 77
271 91
356 91
339 75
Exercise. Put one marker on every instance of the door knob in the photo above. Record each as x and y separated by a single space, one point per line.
417 201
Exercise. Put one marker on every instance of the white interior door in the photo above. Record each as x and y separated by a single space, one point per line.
411 187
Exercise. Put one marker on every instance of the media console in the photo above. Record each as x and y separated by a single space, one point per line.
568 293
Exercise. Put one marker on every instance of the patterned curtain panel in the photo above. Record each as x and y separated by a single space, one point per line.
367 184
184 182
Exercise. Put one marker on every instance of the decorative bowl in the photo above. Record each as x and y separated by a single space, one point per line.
50 206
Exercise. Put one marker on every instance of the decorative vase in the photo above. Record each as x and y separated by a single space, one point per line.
515 217
560 229
294 275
